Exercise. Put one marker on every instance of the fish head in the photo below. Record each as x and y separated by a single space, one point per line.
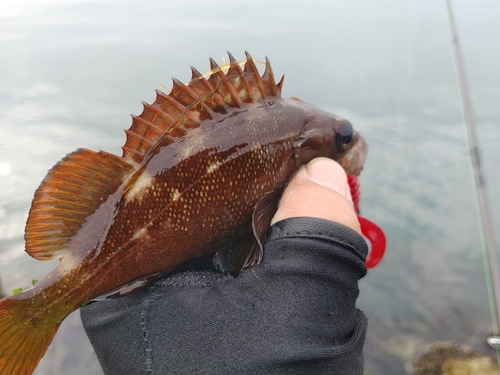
353 158
328 135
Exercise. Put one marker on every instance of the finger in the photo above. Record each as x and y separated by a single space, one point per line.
319 189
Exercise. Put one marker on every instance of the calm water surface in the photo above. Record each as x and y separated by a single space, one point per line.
71 72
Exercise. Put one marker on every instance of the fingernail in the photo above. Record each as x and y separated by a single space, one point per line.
328 173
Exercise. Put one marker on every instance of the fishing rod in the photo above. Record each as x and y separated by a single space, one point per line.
485 223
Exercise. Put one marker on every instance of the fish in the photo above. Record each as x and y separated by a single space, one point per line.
201 172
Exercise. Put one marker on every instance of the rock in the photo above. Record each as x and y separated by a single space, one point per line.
448 358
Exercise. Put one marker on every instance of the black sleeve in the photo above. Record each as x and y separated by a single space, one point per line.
294 313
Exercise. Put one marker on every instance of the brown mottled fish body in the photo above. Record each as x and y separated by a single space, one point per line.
202 170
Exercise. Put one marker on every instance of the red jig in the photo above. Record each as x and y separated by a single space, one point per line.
370 230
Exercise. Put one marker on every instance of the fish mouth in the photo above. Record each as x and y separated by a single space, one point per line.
354 159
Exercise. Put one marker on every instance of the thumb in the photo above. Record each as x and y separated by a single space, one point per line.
319 189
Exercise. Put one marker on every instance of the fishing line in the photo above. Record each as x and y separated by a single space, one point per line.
485 223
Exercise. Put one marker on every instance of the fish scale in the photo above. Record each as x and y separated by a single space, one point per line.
202 171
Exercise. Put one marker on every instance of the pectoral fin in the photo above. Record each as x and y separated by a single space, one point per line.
243 251
248 250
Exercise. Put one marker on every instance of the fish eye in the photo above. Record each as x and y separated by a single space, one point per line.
344 135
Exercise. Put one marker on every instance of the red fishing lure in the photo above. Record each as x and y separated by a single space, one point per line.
370 230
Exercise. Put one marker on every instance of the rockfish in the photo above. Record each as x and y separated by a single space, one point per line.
201 172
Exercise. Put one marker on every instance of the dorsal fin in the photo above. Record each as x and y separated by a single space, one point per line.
216 92
72 191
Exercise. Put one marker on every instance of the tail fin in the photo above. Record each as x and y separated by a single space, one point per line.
23 342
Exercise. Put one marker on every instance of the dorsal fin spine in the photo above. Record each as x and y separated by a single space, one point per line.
152 123
130 151
139 137
179 89
195 74
252 70
159 113
268 77
237 78
213 65
194 105
169 100
205 91
280 85
223 89
138 142
232 60
220 82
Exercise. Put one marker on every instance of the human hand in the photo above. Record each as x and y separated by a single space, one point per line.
293 313
319 189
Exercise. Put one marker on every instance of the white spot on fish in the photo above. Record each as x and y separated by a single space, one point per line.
176 195
139 186
140 233
212 167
